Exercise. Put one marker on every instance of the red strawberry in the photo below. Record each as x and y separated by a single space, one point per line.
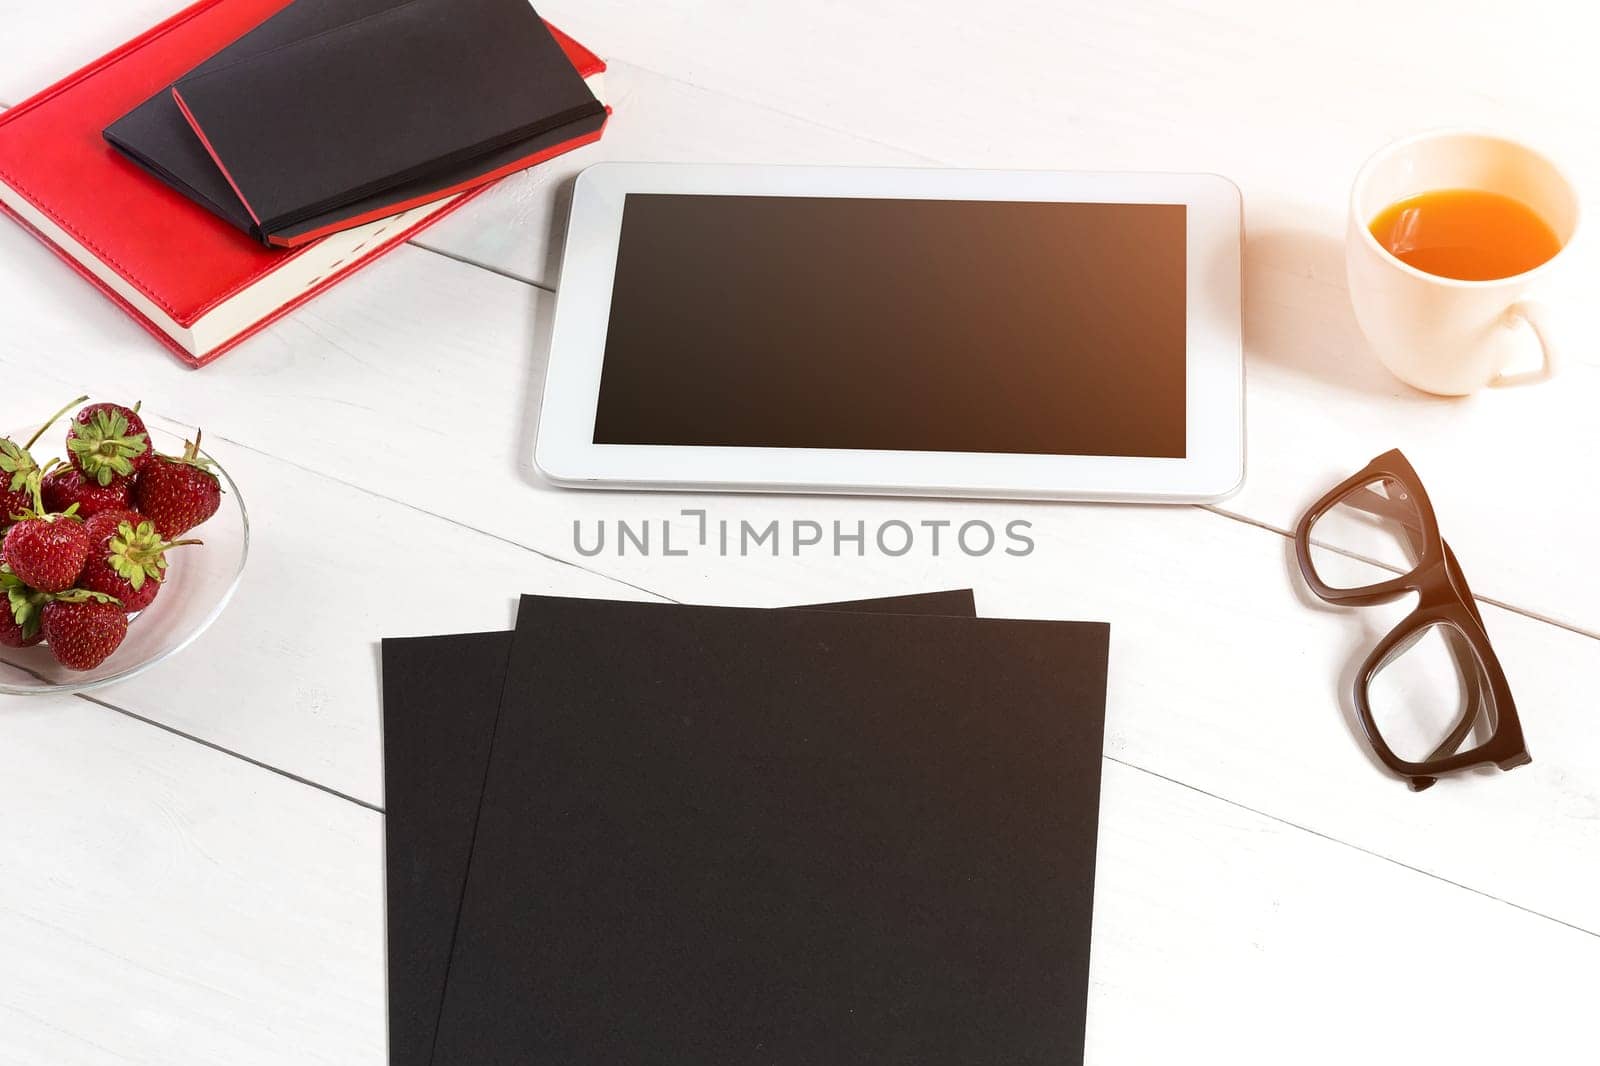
19 612
16 463
64 487
178 493
12 632
129 563
46 550
107 441
15 466
106 523
83 628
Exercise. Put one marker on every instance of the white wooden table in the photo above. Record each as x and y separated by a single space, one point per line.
191 863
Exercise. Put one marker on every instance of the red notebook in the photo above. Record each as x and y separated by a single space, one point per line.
193 281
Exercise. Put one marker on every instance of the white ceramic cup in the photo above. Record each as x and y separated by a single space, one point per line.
1443 335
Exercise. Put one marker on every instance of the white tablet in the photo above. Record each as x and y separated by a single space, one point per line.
916 332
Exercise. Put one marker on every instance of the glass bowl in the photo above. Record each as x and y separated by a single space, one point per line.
200 581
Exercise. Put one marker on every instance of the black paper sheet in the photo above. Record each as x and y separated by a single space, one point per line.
729 836
441 696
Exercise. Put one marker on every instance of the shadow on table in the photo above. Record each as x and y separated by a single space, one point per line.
1297 313
543 310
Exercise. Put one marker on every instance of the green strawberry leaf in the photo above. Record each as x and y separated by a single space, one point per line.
25 604
104 447
16 462
84 596
139 554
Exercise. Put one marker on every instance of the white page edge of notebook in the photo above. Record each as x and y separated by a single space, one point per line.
1213 469
240 312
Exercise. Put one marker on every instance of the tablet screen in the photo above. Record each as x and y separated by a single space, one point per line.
898 325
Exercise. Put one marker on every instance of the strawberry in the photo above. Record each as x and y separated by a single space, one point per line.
13 634
16 463
83 628
106 523
46 550
107 441
178 493
19 612
15 466
129 563
64 487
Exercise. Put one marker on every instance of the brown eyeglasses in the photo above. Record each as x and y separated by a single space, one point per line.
1387 499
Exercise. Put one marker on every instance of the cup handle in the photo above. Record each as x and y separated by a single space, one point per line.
1537 316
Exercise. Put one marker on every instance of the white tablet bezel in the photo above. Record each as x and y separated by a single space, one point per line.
1212 469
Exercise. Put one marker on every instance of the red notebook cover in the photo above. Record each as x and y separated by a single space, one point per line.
69 187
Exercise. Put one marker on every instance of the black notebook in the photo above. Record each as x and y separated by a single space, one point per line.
726 836
441 696
157 136
397 97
